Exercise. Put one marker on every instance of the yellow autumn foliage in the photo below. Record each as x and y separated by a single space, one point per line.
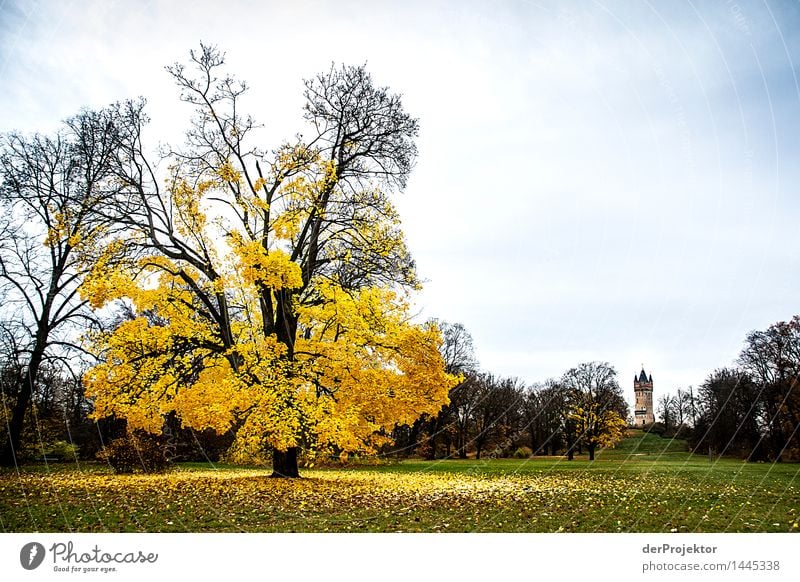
596 427
273 269
357 366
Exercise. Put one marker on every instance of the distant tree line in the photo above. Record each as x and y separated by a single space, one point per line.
750 411
490 415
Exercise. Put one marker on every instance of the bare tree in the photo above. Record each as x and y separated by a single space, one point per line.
453 421
543 409
464 400
730 418
497 412
772 358
683 408
457 349
49 188
668 411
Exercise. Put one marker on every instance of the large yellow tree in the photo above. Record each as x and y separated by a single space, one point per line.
271 292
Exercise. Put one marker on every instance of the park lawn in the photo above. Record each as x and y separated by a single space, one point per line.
622 491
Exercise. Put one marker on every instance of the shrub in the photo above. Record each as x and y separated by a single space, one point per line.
523 453
63 451
135 451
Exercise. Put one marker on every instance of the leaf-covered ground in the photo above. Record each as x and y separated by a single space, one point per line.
540 495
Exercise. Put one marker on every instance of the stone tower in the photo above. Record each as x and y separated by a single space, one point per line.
643 409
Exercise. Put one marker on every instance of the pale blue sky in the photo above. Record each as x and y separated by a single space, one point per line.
597 180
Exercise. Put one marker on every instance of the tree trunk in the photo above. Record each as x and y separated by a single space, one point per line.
430 455
413 438
286 323
462 443
591 452
462 447
9 456
570 433
284 463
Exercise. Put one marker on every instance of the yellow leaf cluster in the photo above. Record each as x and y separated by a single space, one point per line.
259 184
106 281
227 173
191 219
273 269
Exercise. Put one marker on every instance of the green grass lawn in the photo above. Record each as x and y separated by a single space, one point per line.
641 445
647 484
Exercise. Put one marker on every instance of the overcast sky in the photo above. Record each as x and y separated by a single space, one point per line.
612 181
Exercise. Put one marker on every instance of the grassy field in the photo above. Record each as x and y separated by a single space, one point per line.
647 484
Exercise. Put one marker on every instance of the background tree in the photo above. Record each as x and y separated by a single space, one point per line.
451 423
596 404
464 400
496 412
279 281
685 412
730 417
772 359
668 411
752 411
49 186
458 349
543 411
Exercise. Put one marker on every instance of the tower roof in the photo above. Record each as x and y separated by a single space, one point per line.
643 377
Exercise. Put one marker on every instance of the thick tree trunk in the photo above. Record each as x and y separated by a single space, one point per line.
413 438
9 455
591 452
284 463
286 323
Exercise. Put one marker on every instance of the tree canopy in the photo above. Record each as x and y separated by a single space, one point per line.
271 295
